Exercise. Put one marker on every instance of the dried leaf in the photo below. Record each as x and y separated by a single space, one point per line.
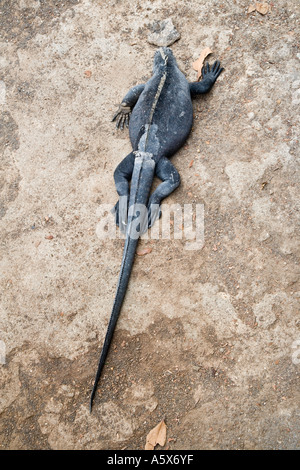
156 436
144 251
191 163
262 8
264 184
88 73
251 9
198 64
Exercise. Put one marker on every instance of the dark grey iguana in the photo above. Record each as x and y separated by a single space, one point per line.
161 117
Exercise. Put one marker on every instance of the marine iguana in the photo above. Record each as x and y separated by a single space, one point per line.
159 115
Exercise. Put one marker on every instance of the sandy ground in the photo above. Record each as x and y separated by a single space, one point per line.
207 338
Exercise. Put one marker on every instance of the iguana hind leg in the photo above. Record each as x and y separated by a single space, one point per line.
170 177
122 177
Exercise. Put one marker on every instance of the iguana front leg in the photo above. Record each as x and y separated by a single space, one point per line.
123 113
209 76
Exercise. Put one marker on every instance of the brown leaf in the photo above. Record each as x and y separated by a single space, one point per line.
88 73
49 237
144 251
262 8
156 436
198 64
264 184
191 163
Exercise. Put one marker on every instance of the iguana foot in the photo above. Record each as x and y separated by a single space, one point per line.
154 213
122 116
211 73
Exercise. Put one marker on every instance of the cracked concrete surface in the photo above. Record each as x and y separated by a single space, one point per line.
207 339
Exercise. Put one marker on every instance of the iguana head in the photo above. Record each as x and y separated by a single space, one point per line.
162 57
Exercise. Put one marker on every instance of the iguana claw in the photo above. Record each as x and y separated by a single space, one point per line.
213 72
122 116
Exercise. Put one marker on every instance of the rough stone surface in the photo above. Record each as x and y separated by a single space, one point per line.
208 339
163 33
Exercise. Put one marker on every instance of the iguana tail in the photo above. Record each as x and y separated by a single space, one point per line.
141 183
